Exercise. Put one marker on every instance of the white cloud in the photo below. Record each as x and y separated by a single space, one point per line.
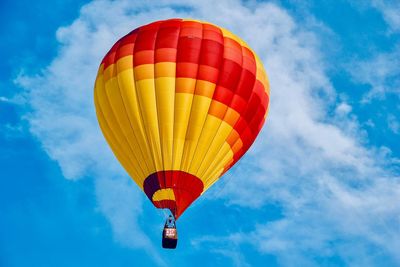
122 208
381 72
334 192
4 99
390 11
343 109
393 124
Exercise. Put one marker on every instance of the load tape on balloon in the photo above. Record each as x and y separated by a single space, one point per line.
179 102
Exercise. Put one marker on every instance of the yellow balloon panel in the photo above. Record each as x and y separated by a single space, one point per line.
179 102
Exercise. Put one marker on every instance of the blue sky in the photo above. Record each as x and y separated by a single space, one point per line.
320 187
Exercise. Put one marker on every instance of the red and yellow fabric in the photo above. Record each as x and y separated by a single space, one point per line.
179 102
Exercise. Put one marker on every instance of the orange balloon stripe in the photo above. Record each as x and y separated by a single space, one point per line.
190 70
197 59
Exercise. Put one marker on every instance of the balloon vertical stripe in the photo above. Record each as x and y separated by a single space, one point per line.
180 102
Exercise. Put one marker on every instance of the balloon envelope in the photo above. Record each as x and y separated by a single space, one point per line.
179 102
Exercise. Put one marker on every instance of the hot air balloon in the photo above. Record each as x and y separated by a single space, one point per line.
180 101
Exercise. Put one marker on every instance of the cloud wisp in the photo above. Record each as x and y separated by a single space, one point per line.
390 11
381 73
